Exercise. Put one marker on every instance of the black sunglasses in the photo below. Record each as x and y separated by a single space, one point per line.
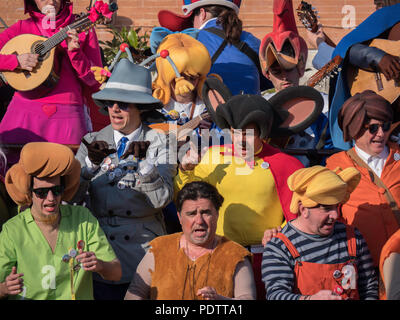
121 105
43 192
373 128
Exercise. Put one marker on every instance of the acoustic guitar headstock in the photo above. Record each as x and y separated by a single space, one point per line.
307 15
331 68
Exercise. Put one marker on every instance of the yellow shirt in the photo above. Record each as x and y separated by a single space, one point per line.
251 202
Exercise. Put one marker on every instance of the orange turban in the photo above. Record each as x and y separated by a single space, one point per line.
319 185
42 160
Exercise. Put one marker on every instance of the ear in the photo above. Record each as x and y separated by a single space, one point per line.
303 211
295 109
214 93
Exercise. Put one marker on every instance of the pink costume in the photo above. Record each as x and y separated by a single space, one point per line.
58 116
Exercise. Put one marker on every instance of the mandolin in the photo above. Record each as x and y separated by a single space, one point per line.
360 79
307 16
43 75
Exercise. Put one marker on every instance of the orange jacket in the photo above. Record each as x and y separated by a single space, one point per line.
367 209
391 246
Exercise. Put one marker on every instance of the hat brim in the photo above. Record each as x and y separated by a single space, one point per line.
173 21
285 61
296 108
125 96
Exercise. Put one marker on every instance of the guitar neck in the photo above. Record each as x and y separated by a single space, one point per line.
192 124
328 41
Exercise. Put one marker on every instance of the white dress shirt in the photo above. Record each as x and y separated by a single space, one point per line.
376 163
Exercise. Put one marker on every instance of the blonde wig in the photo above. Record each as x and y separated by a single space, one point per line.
191 58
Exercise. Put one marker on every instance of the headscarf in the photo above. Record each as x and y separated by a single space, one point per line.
358 109
319 185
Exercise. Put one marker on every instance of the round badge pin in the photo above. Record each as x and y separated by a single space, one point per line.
66 257
111 176
118 172
265 165
396 156
105 167
72 253
81 244
121 185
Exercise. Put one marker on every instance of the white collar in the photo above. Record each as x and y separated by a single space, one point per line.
204 24
367 157
133 136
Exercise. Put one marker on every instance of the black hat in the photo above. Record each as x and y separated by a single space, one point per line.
290 111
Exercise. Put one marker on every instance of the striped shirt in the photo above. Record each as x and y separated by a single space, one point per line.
278 264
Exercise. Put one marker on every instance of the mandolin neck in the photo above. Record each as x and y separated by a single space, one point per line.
61 35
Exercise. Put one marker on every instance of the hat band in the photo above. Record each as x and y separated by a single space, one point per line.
125 86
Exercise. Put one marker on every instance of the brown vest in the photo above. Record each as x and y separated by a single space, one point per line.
176 277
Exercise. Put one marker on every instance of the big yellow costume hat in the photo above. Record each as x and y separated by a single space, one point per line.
319 185
42 160
190 57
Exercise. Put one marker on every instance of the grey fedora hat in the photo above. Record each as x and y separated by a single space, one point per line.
128 83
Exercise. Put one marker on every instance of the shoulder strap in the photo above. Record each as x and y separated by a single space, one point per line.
241 46
375 179
293 251
351 241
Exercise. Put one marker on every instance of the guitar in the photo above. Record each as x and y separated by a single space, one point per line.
327 70
43 76
360 80
180 131
307 16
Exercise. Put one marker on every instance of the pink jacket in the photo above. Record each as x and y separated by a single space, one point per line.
75 65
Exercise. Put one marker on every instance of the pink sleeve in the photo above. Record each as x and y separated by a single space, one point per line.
9 62
86 57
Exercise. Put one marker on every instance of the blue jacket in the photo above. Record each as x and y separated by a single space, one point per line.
236 69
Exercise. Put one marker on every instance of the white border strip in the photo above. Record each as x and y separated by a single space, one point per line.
129 87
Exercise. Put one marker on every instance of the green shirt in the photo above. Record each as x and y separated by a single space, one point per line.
46 276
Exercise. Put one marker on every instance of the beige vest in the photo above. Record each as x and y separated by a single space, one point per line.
176 277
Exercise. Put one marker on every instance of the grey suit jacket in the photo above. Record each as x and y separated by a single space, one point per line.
130 218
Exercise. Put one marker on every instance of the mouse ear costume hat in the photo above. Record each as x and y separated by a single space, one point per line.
178 22
319 185
284 43
290 111
42 160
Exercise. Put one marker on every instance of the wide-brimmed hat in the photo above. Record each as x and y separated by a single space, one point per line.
128 83
42 160
178 22
290 111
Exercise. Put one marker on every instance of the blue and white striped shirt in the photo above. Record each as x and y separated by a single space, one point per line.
278 264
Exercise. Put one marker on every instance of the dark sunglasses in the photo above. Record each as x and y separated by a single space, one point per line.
373 128
43 192
121 105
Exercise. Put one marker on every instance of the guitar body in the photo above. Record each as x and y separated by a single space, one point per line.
42 75
360 80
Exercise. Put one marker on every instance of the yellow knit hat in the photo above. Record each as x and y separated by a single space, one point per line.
319 185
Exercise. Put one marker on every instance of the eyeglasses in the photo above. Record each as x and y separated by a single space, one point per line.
43 192
121 105
373 128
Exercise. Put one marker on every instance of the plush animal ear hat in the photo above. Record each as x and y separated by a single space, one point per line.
284 43
178 22
319 185
42 160
290 111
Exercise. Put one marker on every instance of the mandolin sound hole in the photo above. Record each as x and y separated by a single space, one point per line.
39 48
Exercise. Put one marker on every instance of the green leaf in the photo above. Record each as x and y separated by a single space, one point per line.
133 39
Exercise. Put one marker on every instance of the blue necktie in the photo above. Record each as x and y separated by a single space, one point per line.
122 145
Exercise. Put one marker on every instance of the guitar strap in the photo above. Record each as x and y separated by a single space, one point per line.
375 179
241 46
